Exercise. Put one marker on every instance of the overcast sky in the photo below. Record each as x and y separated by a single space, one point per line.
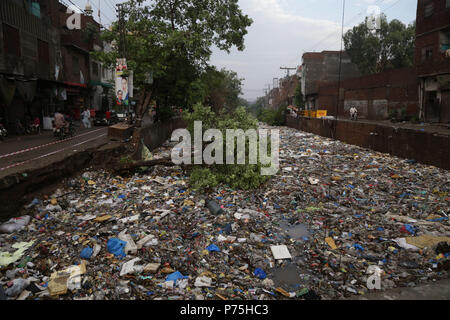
282 31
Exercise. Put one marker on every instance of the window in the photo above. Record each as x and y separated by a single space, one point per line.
447 3
429 10
11 40
444 36
43 53
75 65
427 54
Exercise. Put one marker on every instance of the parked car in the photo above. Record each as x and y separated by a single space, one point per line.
101 119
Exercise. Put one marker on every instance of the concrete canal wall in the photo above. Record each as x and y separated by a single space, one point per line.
424 147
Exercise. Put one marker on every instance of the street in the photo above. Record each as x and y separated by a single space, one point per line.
25 152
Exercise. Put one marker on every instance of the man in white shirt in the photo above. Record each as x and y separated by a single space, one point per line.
354 113
86 118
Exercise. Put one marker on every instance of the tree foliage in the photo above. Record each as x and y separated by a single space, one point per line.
390 47
274 117
245 176
298 98
218 89
257 107
172 39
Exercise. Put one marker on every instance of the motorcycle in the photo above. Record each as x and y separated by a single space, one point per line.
64 132
34 129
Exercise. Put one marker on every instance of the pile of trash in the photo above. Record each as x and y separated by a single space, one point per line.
336 221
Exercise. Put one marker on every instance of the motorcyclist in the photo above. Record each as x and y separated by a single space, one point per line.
60 121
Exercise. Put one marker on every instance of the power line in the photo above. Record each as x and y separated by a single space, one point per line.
107 18
346 23
76 6
334 33
288 70
383 11
340 62
110 4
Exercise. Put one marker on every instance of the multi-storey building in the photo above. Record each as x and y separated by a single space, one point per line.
433 59
45 66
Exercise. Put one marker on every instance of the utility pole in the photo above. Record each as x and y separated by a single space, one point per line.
99 13
122 38
340 63
288 70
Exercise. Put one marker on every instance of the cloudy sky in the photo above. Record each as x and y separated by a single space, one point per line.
283 30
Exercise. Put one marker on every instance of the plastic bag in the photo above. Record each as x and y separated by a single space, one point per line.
18 286
116 246
15 224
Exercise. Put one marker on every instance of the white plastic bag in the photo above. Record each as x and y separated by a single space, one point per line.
14 224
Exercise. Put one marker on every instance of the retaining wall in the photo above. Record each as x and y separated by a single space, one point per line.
424 147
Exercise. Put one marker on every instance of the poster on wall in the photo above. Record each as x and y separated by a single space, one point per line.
122 95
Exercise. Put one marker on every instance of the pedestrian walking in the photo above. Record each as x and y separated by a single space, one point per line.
86 118
354 113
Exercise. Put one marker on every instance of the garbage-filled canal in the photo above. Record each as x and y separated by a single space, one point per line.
316 230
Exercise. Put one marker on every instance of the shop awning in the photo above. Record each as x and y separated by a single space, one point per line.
73 84
98 83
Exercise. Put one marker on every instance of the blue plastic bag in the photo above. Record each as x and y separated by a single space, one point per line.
175 276
86 253
213 248
411 229
260 273
116 246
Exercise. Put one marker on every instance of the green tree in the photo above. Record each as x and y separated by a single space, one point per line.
391 46
205 177
274 117
298 98
218 89
257 107
172 39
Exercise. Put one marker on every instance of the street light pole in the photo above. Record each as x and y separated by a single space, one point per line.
340 62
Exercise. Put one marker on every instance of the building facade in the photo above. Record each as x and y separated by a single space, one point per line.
375 95
44 66
29 58
321 67
433 59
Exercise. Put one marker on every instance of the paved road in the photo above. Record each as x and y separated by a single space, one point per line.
23 153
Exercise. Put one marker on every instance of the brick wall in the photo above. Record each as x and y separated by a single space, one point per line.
424 147
374 95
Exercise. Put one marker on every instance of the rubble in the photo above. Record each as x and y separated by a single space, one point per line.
311 232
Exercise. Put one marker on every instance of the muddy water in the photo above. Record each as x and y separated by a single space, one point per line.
288 277
297 231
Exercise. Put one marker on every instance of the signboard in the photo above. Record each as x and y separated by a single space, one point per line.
122 95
